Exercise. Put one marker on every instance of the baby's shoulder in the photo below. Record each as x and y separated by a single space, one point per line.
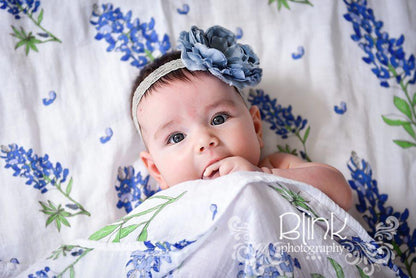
280 160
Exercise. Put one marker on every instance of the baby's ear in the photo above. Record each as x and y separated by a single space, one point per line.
255 115
147 159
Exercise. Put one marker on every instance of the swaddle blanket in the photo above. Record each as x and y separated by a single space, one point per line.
241 225
338 87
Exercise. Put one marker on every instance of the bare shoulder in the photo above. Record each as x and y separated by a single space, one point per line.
281 161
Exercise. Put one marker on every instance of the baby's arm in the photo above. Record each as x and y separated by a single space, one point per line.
324 177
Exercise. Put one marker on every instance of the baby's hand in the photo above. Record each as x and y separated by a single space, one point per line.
229 165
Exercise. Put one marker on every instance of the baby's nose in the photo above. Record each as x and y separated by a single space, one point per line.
207 142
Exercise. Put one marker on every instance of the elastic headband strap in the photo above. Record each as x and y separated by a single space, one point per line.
149 81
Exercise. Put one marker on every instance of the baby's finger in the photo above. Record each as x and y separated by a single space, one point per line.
212 168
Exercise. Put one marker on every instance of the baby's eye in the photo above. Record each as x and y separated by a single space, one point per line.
219 119
176 138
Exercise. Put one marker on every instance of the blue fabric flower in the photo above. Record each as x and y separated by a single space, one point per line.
218 52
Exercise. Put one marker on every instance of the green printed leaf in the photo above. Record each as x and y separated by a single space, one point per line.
414 99
16 33
40 17
317 275
103 232
69 187
160 197
362 274
337 267
408 127
305 137
127 230
143 235
44 206
403 106
393 122
51 219
404 144
117 237
51 205
64 221
284 2
58 224
287 149
71 272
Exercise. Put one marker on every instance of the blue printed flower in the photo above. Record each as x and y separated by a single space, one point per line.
218 52
384 54
38 170
138 41
15 7
281 119
184 10
147 262
43 273
133 189
375 211
265 262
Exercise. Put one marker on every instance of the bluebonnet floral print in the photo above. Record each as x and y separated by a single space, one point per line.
133 188
341 109
239 33
266 262
281 119
373 205
37 170
108 135
28 8
43 273
43 175
138 41
51 98
299 54
214 209
184 10
77 252
388 62
17 7
148 262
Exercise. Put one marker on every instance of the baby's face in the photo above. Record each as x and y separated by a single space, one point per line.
189 125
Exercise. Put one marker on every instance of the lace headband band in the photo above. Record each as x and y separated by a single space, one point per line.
149 81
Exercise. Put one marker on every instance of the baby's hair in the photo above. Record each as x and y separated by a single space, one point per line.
179 74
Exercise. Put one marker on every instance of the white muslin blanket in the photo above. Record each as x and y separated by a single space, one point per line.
241 225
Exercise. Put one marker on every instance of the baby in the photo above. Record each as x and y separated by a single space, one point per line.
195 124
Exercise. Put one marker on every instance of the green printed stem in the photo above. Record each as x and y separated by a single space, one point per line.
71 266
37 23
83 211
404 89
122 231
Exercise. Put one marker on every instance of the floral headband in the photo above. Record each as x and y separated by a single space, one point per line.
215 51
